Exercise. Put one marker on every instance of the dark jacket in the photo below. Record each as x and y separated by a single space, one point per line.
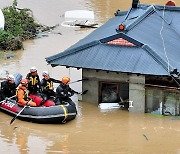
63 91
33 83
7 89
47 86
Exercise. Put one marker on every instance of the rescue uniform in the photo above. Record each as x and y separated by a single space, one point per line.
33 83
22 96
47 86
63 92
7 89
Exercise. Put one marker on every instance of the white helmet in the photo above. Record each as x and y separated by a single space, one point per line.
45 73
33 69
10 77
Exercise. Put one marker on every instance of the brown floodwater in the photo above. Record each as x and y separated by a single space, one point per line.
94 130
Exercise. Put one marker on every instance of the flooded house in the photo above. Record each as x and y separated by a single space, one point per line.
134 57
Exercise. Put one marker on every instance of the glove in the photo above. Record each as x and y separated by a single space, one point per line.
69 94
62 94
40 90
51 88
27 104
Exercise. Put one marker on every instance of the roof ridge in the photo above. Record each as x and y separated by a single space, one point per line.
150 10
160 7
71 51
157 58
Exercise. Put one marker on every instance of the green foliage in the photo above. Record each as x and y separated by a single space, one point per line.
19 26
20 23
9 42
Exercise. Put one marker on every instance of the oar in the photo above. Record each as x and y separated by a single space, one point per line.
81 93
84 92
78 81
7 98
20 112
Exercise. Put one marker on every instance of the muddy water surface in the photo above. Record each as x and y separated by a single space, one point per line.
94 130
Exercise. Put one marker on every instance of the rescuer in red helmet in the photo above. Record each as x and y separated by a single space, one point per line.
23 94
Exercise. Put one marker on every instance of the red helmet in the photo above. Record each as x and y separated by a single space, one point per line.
65 80
24 81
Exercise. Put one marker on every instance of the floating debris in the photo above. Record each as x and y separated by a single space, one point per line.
145 137
15 128
10 56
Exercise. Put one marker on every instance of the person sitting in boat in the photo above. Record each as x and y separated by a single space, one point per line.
23 94
47 86
63 92
8 87
33 81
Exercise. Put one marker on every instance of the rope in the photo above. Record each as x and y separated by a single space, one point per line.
162 27
65 114
165 52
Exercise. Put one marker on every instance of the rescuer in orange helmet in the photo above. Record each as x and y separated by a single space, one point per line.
64 92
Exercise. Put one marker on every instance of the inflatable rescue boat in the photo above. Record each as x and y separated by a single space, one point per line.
48 113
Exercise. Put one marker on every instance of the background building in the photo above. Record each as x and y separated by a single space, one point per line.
133 57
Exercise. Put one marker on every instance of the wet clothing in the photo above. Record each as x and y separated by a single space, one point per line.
7 89
63 92
23 96
47 87
33 83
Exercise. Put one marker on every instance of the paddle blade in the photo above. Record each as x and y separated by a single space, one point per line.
84 92
12 120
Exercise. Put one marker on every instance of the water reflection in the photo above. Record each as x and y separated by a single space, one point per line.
94 132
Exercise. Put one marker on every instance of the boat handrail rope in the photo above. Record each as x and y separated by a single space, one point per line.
65 113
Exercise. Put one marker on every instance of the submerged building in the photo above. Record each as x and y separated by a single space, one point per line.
134 56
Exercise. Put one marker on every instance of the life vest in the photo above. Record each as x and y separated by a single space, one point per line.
48 85
26 92
33 80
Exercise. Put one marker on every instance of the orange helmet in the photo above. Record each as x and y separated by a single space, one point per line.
65 80
24 81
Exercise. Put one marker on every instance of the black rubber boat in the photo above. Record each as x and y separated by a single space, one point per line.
48 113
43 114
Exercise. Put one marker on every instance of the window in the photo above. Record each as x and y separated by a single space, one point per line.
110 92
164 102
